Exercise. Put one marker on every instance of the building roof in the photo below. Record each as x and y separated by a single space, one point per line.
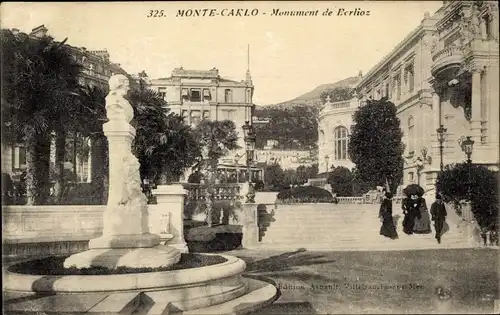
427 23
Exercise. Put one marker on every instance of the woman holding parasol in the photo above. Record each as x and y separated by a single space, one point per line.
412 206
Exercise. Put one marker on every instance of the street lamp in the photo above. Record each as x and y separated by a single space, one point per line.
250 138
467 145
327 160
420 165
441 135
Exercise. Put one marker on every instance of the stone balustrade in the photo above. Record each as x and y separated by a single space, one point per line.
197 192
350 200
447 52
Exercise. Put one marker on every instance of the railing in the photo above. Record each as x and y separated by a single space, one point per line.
447 52
341 104
351 200
221 191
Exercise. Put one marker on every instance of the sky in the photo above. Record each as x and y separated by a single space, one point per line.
289 55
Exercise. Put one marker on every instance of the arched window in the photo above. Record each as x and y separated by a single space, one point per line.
411 135
340 137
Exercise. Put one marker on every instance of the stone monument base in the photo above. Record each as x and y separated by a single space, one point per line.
153 257
125 241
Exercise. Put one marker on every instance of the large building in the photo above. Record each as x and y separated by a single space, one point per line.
204 94
444 73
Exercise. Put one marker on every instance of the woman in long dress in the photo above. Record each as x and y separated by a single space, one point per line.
423 222
388 229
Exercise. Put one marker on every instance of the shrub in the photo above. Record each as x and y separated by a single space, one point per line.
81 194
259 185
308 194
453 183
341 181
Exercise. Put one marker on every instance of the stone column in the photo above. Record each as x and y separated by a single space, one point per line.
250 229
170 204
475 125
436 113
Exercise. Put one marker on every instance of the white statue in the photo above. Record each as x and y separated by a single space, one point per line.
117 107
132 193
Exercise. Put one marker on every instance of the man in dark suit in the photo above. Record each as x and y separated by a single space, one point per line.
438 213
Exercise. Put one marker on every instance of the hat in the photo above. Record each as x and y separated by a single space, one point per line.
438 196
388 195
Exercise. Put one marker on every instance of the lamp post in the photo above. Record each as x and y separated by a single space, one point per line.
420 165
467 145
250 138
236 160
327 161
441 135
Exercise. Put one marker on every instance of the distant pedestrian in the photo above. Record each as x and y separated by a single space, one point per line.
438 213
388 229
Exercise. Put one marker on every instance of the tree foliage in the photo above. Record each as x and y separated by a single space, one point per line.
454 182
216 139
294 128
341 181
39 85
338 94
164 145
375 145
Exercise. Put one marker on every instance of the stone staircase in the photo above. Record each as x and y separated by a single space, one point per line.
346 227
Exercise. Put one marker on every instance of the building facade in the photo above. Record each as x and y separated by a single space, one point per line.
443 74
198 94
334 126
287 159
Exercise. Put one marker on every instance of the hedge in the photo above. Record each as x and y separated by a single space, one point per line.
307 194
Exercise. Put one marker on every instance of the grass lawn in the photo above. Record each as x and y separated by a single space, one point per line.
378 282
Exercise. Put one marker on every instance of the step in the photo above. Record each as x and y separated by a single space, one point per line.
380 247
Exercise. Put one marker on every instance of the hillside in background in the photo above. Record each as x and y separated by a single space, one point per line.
294 123
312 98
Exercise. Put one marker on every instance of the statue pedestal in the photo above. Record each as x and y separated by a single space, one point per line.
170 203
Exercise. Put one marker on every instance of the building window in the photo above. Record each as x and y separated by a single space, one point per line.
195 95
228 96
340 142
185 117
411 135
206 114
19 157
410 77
163 92
411 177
487 27
195 117
206 94
396 84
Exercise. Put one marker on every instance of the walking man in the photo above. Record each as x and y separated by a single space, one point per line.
438 213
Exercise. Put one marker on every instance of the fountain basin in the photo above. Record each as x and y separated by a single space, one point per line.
218 288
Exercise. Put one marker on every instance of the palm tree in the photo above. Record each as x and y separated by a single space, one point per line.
93 102
38 80
216 139
164 145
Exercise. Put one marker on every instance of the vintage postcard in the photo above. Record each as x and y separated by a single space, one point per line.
250 157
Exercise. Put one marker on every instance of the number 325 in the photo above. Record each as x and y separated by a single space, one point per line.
155 13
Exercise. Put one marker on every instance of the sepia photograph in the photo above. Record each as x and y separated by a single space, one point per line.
250 157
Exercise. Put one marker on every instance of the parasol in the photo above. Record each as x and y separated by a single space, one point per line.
413 189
